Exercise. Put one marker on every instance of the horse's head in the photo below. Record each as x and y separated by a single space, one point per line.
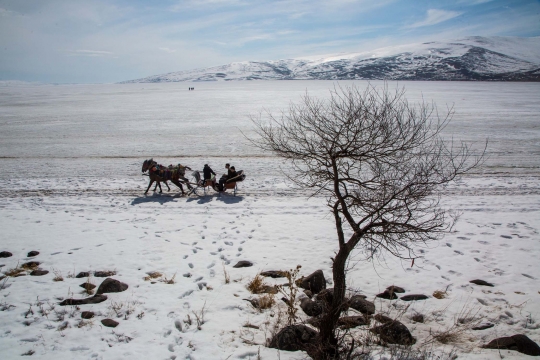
147 164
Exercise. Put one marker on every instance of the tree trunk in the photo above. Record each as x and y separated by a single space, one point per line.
329 341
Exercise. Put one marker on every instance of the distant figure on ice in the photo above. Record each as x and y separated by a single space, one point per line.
207 175
230 175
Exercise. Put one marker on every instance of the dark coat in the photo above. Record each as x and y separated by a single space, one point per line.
207 171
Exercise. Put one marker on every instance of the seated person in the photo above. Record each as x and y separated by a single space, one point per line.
230 175
207 175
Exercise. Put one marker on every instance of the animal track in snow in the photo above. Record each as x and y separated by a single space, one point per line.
506 236
190 265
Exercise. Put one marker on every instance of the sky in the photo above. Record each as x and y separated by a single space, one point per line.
106 41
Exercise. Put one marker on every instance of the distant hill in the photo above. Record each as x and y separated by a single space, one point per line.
470 58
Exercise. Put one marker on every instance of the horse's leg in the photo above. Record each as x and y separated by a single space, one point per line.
151 182
169 189
177 183
159 184
155 187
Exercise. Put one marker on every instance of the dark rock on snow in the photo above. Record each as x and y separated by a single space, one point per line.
326 295
104 273
30 265
294 338
387 295
87 286
383 319
109 323
395 289
414 297
394 332
518 342
5 254
111 286
243 263
311 308
96 299
314 282
274 274
87 314
308 293
349 322
481 282
484 326
39 272
358 303
32 253
82 274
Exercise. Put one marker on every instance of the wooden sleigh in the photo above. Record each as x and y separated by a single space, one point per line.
231 184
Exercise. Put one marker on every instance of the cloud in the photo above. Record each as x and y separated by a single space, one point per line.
435 16
167 50
91 53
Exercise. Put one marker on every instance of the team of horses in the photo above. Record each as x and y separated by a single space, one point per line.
159 173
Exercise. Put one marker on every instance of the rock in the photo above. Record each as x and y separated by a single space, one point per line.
104 273
518 342
414 297
311 308
87 286
394 332
39 272
5 254
349 322
82 274
294 338
383 319
243 263
111 286
358 303
274 274
387 295
395 289
481 282
109 323
96 299
326 295
87 314
314 282
308 293
32 253
267 289
484 326
30 265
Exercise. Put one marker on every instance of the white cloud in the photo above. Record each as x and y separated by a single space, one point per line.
167 50
92 53
435 16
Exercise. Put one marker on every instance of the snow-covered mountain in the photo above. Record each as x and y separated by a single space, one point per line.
471 58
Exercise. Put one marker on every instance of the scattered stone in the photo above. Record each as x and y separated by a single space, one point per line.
30 265
394 332
274 274
395 289
96 299
39 272
32 253
308 293
314 282
481 282
387 295
104 273
5 254
87 286
484 326
311 308
268 289
109 323
87 314
414 297
243 263
82 274
326 295
383 319
294 338
358 303
111 286
349 322
517 342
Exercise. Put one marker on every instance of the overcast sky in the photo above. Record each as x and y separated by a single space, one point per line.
95 41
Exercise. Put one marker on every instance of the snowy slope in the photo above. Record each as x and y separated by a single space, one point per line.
471 58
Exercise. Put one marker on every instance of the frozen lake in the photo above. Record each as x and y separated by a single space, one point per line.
93 130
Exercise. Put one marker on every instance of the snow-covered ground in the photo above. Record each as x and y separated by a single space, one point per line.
71 189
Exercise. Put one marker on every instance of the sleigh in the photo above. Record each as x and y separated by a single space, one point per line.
231 184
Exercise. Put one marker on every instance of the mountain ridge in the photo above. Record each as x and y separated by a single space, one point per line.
471 58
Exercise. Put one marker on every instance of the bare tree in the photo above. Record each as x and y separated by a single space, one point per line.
382 165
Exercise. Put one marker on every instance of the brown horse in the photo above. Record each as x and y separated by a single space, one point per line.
159 173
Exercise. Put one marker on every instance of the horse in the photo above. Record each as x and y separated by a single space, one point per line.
159 173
